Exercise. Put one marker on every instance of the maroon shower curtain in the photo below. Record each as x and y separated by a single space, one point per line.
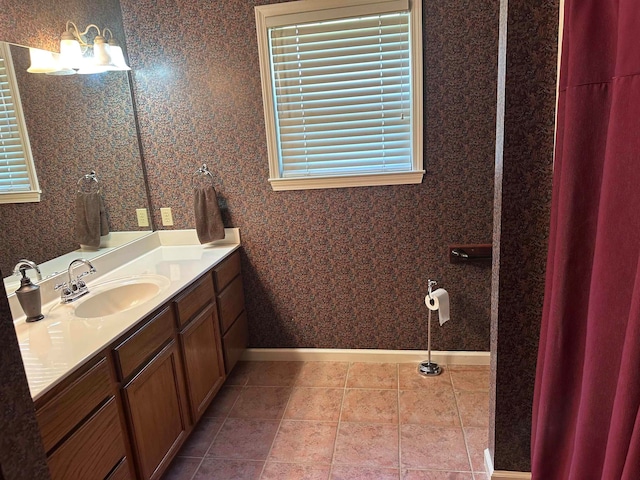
586 419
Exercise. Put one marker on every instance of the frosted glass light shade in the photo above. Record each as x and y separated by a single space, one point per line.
70 51
101 53
117 57
41 61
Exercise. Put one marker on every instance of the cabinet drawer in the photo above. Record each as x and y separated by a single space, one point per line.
235 342
194 300
145 342
226 271
230 303
67 409
122 471
92 451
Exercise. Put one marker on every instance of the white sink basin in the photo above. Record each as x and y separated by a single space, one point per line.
118 296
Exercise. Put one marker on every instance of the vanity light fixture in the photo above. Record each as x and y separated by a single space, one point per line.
43 61
78 55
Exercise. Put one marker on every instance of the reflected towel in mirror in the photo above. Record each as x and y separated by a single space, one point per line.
91 219
209 226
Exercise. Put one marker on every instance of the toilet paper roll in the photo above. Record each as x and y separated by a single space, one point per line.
439 301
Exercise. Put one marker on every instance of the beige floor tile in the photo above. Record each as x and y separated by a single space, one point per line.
473 408
261 402
435 475
240 373
316 403
274 374
223 401
322 374
321 420
370 406
472 380
295 471
433 448
373 375
410 379
429 407
462 368
371 445
244 438
213 468
348 472
477 439
201 438
304 442
182 468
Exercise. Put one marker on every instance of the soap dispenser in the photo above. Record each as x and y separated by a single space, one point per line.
29 295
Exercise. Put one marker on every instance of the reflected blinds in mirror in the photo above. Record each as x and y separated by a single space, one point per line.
18 182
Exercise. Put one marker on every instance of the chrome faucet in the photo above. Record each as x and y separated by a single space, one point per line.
23 265
75 287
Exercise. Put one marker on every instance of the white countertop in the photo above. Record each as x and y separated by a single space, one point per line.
55 346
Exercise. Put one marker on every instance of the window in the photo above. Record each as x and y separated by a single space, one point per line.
18 181
342 91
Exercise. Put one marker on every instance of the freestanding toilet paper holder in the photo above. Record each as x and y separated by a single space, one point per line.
429 368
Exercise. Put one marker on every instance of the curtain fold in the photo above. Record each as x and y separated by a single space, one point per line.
587 392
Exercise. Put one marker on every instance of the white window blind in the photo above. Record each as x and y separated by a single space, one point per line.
17 175
343 97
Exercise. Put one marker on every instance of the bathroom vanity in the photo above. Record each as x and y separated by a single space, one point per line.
117 394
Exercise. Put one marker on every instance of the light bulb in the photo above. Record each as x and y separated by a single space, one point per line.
101 51
70 51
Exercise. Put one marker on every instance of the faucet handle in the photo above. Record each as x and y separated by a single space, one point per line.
92 270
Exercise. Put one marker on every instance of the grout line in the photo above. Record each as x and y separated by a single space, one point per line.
344 394
224 420
464 434
291 388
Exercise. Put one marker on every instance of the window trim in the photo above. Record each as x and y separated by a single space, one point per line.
304 10
34 193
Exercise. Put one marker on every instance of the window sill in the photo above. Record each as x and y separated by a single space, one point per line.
20 197
371 180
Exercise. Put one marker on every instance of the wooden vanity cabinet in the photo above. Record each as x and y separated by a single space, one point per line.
124 414
157 414
201 345
150 369
230 299
81 425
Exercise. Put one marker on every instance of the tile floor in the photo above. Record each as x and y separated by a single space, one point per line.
334 420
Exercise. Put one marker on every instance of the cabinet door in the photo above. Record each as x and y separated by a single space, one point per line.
156 407
203 361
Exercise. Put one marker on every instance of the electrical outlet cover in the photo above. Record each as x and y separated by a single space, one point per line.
167 218
143 217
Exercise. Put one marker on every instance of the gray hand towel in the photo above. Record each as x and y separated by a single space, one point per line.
91 219
209 225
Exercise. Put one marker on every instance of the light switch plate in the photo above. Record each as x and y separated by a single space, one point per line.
143 217
167 218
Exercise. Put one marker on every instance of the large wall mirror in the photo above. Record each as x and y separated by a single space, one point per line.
75 124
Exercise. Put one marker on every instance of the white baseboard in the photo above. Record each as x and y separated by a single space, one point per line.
364 355
502 474
507 475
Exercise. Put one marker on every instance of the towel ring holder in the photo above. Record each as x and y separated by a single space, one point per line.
203 171
91 180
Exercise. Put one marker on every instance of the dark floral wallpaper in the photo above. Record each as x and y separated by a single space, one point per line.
335 268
